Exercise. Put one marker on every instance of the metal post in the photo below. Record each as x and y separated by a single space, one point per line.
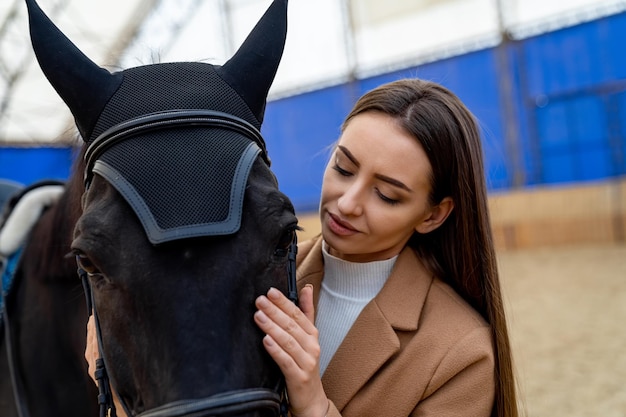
507 100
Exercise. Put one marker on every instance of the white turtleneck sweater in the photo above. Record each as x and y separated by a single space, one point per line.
346 289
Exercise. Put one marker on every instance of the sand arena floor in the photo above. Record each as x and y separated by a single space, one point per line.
567 308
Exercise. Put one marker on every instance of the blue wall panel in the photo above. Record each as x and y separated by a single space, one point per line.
558 167
576 58
575 140
618 144
29 165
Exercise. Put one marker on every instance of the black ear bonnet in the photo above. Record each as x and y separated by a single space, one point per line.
177 140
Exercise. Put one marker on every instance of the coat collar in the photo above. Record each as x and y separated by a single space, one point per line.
372 340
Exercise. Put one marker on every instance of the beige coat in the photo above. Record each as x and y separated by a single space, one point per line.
417 349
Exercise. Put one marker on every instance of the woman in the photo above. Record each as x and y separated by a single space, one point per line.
400 306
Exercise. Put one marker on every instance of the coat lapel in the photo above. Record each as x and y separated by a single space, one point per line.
372 340
310 266
368 345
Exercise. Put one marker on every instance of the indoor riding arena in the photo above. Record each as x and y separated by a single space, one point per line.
546 80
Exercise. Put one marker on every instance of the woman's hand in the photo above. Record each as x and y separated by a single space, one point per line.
292 341
91 354
91 348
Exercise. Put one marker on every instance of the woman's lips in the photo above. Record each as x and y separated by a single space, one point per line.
340 227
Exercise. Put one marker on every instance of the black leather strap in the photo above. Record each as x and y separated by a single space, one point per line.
168 120
105 395
231 402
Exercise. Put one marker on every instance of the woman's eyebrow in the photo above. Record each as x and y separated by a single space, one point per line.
349 155
393 181
381 177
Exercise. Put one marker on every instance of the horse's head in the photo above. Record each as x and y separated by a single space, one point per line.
183 225
176 318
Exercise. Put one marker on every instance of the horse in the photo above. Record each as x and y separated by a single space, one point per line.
42 364
181 226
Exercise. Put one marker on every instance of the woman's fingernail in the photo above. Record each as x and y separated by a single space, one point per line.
273 293
262 301
261 317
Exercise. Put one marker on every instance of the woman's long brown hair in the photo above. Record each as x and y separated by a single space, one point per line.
461 251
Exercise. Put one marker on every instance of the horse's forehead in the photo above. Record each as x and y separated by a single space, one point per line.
192 190
164 87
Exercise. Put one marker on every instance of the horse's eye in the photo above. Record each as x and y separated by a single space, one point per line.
285 240
85 263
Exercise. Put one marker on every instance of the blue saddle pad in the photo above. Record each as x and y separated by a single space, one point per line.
9 268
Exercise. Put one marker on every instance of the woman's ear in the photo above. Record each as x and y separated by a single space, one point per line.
438 215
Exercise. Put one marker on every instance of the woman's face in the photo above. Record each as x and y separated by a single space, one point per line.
375 190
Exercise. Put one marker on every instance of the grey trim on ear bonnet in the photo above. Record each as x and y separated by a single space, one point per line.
177 140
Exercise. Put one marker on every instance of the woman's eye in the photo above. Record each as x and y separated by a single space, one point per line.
341 171
386 199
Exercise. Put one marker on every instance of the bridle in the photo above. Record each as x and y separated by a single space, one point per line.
226 403
231 402
169 120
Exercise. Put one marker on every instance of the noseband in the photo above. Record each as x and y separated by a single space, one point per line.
227 403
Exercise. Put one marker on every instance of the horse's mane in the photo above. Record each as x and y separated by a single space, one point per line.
50 240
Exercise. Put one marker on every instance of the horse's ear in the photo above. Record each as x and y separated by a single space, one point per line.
252 69
83 85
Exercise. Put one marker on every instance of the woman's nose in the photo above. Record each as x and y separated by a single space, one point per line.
351 201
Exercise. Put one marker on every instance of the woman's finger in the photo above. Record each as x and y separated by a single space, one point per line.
292 341
290 330
91 348
306 302
285 313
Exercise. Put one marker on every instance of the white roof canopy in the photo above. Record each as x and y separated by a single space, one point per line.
329 41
